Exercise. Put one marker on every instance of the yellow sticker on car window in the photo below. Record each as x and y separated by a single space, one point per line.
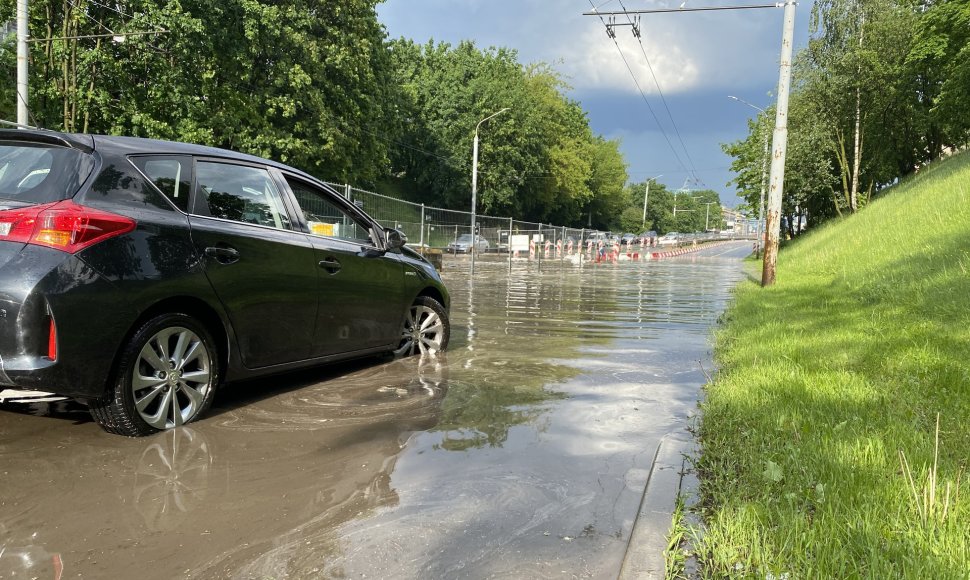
321 229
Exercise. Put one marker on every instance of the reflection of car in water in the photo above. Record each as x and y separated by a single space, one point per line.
464 244
253 484
29 561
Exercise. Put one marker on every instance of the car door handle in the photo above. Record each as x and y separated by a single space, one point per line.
330 265
223 254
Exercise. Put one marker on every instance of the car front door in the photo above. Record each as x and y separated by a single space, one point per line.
362 299
262 268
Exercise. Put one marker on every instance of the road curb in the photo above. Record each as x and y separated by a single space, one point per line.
644 556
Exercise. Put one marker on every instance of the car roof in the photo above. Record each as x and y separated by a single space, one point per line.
135 145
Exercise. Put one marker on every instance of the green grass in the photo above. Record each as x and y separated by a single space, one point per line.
819 438
675 554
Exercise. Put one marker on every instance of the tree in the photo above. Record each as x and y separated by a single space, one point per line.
750 165
539 162
810 181
302 81
853 66
606 185
939 63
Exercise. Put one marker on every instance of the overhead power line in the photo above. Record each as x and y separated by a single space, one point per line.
780 139
660 91
644 96
595 12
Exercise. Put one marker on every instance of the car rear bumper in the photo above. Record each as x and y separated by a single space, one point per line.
41 289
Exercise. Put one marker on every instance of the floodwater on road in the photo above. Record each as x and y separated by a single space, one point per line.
521 452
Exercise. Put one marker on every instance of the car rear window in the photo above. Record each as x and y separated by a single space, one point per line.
39 173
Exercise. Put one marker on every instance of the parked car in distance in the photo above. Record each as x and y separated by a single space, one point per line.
628 239
668 239
141 276
464 244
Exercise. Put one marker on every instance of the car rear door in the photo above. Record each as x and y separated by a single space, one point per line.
261 266
362 296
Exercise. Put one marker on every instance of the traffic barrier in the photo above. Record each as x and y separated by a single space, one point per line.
684 250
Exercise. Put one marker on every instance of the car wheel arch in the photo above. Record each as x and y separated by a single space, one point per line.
198 309
432 292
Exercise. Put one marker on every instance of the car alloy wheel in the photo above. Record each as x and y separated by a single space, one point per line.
171 378
426 328
167 376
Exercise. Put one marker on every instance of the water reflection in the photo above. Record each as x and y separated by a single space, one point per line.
523 332
26 557
556 404
520 452
172 478
257 489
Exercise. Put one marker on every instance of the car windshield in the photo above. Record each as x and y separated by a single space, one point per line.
35 173
467 238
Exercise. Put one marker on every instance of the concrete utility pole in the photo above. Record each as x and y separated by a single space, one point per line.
773 223
779 150
475 185
22 62
646 194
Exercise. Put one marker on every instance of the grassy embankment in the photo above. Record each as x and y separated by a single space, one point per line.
819 433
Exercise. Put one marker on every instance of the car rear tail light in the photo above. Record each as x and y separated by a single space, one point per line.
52 341
63 225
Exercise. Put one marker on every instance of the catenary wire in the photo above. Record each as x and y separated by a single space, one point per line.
663 99
645 100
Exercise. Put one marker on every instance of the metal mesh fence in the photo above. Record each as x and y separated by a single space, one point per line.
499 240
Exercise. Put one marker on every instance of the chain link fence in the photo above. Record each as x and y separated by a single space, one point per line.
447 233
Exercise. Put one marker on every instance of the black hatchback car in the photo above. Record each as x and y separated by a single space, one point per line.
138 276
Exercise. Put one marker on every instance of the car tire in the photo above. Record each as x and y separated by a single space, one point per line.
166 376
426 328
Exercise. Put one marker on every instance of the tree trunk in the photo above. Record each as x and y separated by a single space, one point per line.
65 31
856 153
857 149
90 94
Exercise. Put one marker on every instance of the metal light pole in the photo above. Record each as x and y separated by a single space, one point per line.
475 183
646 194
779 150
764 173
22 62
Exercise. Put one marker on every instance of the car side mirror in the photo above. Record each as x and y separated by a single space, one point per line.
395 238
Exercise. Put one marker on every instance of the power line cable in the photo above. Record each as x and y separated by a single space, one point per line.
663 99
113 9
633 75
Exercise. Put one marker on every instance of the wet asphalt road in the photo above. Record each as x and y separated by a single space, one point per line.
522 452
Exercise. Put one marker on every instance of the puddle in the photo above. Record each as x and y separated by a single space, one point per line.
520 452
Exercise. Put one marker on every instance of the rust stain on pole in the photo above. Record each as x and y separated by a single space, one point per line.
779 150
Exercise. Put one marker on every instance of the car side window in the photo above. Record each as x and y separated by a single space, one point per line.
172 175
239 193
326 218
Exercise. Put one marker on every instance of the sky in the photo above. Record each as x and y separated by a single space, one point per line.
671 115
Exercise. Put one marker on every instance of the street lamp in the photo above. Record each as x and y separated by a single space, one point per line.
764 171
684 190
707 216
475 183
646 194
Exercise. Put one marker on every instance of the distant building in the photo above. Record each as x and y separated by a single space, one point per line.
737 222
